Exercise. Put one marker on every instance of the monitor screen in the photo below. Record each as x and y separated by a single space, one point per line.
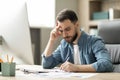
14 29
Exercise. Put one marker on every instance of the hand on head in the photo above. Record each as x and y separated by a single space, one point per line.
55 33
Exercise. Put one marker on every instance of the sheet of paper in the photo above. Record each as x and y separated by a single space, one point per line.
52 73
65 75
57 73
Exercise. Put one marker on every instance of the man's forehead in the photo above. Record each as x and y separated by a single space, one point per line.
63 24
64 28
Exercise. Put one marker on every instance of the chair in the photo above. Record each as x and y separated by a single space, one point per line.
110 32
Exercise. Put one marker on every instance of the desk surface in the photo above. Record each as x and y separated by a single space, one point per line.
20 75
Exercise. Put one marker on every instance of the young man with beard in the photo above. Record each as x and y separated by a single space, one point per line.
78 51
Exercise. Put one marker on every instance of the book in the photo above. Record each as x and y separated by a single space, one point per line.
100 15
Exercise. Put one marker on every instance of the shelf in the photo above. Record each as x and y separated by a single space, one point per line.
94 6
93 23
97 6
103 6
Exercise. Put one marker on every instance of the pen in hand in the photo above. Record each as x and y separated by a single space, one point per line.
62 66
67 59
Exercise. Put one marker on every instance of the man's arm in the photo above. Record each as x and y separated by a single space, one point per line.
67 66
48 61
49 48
54 35
103 63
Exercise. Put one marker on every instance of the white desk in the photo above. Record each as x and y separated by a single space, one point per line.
21 76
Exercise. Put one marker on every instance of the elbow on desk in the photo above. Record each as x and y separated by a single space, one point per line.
104 66
108 66
46 66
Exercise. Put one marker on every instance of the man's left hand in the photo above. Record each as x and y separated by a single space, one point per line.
69 67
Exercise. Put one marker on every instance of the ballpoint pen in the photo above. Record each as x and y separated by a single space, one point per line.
67 59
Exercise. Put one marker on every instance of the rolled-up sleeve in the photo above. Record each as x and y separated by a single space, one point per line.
53 60
103 63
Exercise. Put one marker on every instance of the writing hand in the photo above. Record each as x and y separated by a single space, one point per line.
69 67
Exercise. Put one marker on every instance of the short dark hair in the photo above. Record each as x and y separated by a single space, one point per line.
67 14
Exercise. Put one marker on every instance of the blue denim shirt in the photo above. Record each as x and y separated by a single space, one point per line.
92 51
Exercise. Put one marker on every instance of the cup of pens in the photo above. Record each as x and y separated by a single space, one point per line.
8 68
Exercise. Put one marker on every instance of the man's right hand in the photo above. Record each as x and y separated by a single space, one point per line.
55 33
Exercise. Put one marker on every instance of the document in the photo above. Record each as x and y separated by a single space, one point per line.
38 71
63 74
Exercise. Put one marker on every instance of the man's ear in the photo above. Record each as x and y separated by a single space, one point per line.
77 24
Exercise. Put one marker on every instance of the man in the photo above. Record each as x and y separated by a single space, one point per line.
88 55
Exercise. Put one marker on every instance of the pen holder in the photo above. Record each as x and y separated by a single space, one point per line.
8 69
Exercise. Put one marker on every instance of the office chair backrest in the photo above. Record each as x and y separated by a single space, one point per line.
110 32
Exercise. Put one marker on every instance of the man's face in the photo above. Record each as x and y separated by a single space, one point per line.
68 30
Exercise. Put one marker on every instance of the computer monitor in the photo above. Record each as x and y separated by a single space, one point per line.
14 29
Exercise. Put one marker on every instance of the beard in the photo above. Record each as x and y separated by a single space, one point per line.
70 39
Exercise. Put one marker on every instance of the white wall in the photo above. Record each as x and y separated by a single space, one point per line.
70 4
